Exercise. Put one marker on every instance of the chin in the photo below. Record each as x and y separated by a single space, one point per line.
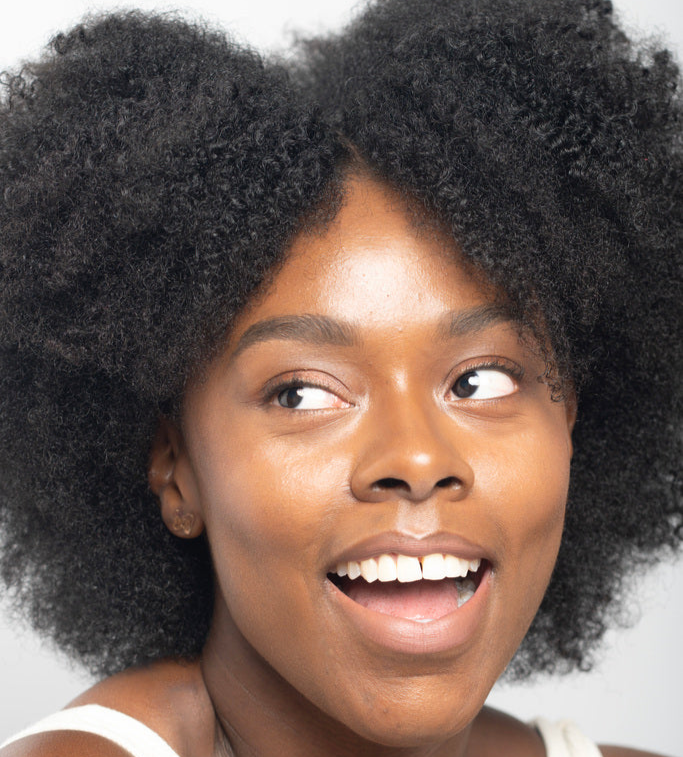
413 734
409 719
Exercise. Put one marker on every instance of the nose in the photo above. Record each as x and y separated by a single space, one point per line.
411 453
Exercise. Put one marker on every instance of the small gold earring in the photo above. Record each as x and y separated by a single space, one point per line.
182 523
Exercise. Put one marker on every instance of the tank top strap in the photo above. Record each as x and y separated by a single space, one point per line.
564 739
124 731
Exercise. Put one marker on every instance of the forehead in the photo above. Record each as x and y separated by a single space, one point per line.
374 262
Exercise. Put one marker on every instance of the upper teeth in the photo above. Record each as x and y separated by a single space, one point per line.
391 567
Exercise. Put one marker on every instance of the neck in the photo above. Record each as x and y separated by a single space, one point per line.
259 714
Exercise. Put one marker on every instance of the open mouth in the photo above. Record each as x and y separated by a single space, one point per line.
420 589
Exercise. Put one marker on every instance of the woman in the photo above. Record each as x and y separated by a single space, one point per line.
305 361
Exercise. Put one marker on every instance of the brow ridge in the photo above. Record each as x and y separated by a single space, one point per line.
308 327
473 320
322 330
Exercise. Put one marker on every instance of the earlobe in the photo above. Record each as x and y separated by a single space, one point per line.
172 479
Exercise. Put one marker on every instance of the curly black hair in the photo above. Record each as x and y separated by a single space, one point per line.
152 176
151 173
552 149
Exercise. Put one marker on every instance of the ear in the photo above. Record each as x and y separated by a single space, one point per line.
172 478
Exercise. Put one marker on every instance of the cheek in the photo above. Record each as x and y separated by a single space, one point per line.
265 520
530 510
267 498
547 482
531 471
265 509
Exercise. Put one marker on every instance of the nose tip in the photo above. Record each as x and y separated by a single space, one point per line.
412 469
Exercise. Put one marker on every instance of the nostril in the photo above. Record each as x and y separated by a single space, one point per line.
384 484
390 483
451 482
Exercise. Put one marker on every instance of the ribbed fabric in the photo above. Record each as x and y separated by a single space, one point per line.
563 739
128 733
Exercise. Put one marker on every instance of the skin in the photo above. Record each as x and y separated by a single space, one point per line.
390 416
380 443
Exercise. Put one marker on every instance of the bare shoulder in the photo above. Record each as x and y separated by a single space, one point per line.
146 694
620 751
495 733
494 730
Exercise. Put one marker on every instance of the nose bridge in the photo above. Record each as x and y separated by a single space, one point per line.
412 449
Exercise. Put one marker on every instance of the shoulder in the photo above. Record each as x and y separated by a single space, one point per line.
146 695
494 731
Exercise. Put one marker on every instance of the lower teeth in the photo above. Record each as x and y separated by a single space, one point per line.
466 589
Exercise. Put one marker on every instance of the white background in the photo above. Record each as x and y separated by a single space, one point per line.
634 695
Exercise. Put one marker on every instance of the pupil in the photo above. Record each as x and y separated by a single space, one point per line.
291 397
467 384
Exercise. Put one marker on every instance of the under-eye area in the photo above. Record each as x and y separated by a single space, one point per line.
420 589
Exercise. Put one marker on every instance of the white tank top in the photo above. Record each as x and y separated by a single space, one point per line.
128 733
561 739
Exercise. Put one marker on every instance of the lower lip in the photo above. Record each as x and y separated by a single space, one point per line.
412 637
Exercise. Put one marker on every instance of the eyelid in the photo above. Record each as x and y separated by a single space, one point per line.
294 379
504 365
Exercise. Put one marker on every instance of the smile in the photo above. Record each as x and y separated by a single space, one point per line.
421 589
416 613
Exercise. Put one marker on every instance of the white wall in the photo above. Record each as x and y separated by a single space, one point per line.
633 696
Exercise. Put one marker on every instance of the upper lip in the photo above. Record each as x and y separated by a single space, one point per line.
407 544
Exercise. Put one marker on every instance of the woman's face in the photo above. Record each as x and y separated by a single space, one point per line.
375 407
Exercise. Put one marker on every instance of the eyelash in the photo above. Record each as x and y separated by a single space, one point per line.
513 370
272 391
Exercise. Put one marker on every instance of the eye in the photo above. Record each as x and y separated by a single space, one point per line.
298 397
484 384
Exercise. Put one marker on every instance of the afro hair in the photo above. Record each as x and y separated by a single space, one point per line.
151 172
152 175
550 146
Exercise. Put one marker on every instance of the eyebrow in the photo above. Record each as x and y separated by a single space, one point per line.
319 330
322 330
473 320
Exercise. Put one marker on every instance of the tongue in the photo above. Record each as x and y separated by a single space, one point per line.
418 600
